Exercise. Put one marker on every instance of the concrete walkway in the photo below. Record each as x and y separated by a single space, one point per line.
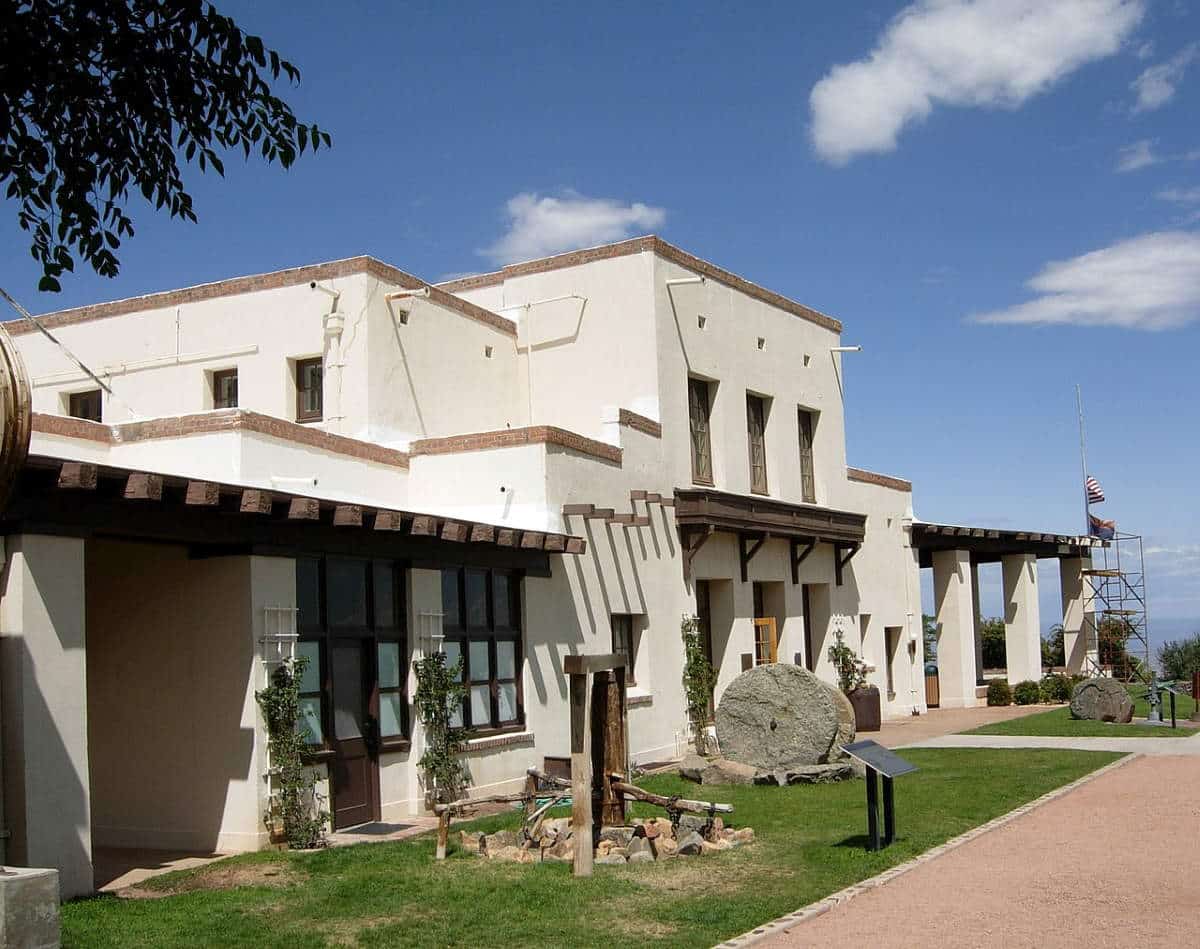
943 721
1106 865
1154 747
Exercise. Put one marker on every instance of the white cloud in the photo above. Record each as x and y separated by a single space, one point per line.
981 53
1138 155
1156 86
1151 282
1181 561
539 226
1180 195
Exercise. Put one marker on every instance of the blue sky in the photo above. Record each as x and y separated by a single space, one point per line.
906 168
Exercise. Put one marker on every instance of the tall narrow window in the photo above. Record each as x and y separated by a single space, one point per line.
84 405
309 399
225 389
698 410
624 643
756 427
808 482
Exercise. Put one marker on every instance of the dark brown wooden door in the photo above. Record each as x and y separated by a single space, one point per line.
354 771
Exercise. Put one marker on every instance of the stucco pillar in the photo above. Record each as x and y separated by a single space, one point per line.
1074 594
43 664
425 608
1022 620
955 605
977 623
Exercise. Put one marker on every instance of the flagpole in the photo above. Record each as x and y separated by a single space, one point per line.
1087 522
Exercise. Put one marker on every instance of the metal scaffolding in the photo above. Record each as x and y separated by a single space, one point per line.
1115 593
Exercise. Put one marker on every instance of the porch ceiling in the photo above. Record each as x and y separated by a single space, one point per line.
54 496
988 545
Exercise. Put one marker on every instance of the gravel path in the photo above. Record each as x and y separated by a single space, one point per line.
1107 865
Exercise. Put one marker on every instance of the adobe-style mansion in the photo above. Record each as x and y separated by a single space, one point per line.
341 460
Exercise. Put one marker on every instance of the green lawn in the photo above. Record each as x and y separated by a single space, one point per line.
808 844
1058 722
1184 705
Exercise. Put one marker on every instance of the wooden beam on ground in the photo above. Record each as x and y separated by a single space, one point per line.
455 531
389 521
304 509
678 803
348 515
483 533
424 526
255 501
202 494
141 486
77 475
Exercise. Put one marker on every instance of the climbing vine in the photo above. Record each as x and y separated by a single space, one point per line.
699 677
295 802
439 696
851 671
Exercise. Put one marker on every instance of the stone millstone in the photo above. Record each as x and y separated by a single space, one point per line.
778 718
1101 700
846 725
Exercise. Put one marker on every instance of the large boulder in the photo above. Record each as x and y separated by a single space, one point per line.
846 722
778 718
1101 700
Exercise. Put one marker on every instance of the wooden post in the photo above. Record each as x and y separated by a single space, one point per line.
612 811
531 787
581 771
443 833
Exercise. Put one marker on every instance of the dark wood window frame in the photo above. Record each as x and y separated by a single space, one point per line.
757 411
305 412
376 629
625 642
700 424
806 427
464 624
222 400
87 405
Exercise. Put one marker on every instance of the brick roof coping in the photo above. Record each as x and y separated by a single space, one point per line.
266 281
221 420
512 437
884 481
654 244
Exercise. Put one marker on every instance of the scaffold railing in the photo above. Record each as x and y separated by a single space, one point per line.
1115 611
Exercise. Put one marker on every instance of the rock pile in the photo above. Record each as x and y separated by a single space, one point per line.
643 841
723 771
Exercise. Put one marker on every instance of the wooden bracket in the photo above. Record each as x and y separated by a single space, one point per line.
746 555
799 555
691 546
839 561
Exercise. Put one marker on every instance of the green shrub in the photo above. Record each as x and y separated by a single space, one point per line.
1180 658
999 693
1027 693
1056 688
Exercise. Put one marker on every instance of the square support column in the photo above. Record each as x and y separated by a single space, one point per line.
43 661
978 623
1022 618
953 594
1079 624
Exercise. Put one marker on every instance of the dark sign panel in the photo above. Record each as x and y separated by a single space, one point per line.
873 755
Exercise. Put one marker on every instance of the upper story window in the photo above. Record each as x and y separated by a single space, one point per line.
756 429
808 483
225 389
310 403
698 412
482 625
625 643
85 405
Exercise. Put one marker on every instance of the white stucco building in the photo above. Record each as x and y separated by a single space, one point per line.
565 456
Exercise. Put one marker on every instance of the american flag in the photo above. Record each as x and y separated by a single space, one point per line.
1095 493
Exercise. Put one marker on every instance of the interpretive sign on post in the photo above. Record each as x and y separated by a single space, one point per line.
879 761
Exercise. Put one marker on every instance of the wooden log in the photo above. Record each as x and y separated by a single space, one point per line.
304 509
389 521
202 493
531 787
508 538
467 803
576 545
255 501
142 486
347 515
680 804
77 475
544 778
455 531
424 526
612 805
483 534
443 834
537 817
532 540
556 542
581 772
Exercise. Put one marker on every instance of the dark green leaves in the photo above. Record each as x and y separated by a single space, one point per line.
101 96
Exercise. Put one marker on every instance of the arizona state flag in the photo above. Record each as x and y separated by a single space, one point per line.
1105 530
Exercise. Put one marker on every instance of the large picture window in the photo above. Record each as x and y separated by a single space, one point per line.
351 625
482 625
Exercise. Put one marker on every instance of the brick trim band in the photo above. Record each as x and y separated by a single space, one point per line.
510 437
223 420
639 423
884 481
637 245
267 281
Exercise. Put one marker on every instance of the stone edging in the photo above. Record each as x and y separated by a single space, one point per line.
783 924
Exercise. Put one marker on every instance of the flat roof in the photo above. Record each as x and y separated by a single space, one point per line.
989 544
